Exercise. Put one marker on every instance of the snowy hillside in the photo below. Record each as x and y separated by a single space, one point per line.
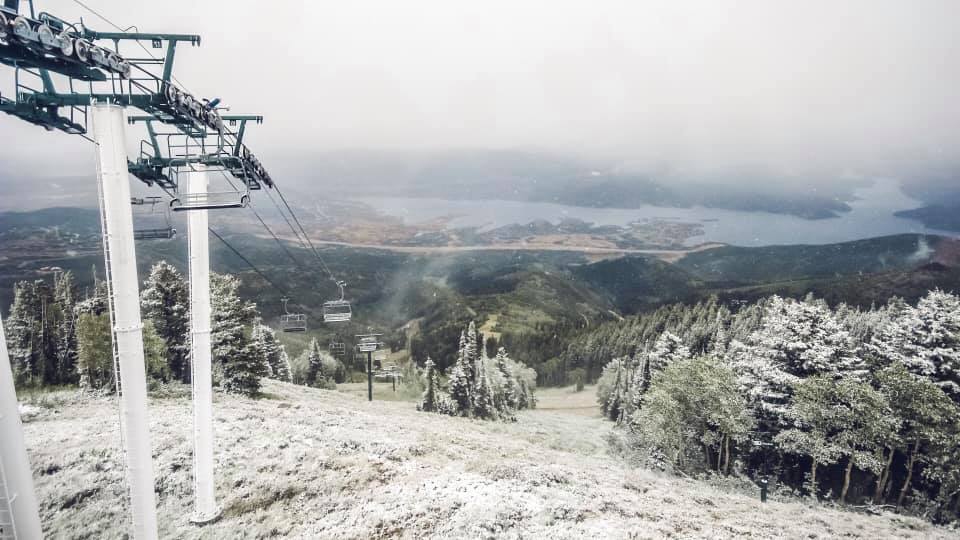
306 463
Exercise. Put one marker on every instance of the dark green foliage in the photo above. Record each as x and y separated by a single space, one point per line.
242 373
95 359
491 346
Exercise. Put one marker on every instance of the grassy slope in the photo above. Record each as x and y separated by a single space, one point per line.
320 464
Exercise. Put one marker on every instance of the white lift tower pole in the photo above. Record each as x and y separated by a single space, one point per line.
121 266
19 516
205 504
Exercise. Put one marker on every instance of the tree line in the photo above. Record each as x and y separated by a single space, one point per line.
857 405
57 336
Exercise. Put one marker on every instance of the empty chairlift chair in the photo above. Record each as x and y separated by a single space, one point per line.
292 322
225 193
337 310
210 201
151 223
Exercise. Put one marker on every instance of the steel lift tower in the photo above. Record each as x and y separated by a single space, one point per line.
96 83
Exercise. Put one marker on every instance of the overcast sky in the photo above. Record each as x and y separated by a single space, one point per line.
783 84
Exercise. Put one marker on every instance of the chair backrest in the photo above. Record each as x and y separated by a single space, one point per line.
293 322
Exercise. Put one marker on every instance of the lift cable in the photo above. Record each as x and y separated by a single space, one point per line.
240 255
283 291
277 239
312 247
285 218
267 227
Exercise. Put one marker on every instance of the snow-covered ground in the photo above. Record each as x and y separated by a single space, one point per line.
307 463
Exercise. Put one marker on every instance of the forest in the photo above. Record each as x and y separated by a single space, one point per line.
58 336
858 406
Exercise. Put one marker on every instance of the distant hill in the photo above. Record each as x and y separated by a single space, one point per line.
739 265
942 217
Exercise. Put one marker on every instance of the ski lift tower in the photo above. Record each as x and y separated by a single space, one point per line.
66 79
181 163
369 343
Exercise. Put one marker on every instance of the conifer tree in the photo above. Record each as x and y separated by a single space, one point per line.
20 333
164 301
314 374
510 389
271 350
238 360
483 394
241 375
461 377
925 339
66 328
429 401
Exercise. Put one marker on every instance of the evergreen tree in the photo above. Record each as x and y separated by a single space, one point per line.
241 375
461 376
164 302
24 334
314 374
66 328
271 350
925 339
483 394
491 347
429 402
235 357
509 394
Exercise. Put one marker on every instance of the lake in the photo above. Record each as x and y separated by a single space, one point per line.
871 215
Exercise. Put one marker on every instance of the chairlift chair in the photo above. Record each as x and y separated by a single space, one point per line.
165 232
337 310
292 322
228 195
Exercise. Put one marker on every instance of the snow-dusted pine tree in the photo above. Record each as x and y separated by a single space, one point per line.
509 390
926 340
241 375
272 351
461 376
234 356
23 332
667 349
431 395
314 373
483 393
164 301
66 327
